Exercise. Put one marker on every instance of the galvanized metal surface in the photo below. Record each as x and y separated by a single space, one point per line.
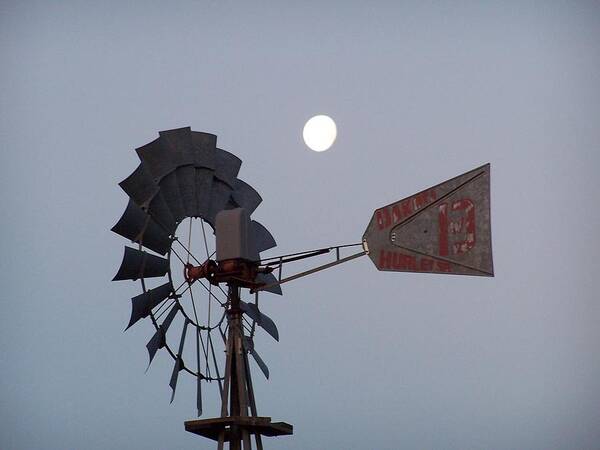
178 365
137 226
444 229
245 196
139 264
262 238
262 320
158 339
141 305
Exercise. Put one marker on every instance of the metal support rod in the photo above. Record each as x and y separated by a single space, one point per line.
311 271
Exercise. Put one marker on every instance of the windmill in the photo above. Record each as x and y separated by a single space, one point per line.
186 190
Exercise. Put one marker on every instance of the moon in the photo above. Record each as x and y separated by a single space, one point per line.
319 133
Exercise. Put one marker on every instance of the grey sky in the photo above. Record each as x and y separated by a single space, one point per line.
421 92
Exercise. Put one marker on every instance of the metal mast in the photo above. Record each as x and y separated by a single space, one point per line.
239 418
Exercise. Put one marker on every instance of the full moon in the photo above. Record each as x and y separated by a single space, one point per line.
319 133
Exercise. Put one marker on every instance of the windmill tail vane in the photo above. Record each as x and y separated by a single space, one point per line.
198 258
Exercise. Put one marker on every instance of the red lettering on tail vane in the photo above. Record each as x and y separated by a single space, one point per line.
393 260
463 225
393 215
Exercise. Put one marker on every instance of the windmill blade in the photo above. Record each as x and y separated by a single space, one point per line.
199 395
137 226
245 196
161 213
444 229
178 361
204 182
227 166
139 264
249 346
178 143
267 279
204 145
169 188
142 304
142 189
186 178
140 186
219 198
198 376
262 238
160 163
157 160
158 340
261 319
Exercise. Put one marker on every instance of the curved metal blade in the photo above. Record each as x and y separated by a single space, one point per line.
249 345
140 186
158 339
158 160
204 181
179 361
199 395
169 188
137 226
204 145
245 196
186 179
262 320
161 214
220 195
142 304
178 143
262 238
139 264
227 166
267 279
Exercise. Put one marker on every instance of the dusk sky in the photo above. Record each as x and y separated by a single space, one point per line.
420 92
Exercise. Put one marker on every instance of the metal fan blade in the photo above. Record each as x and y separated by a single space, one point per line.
140 186
204 181
169 188
227 166
219 198
161 214
186 179
245 196
178 362
249 345
138 264
160 161
199 395
267 279
137 226
157 159
263 240
262 320
158 339
204 145
178 143
143 303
